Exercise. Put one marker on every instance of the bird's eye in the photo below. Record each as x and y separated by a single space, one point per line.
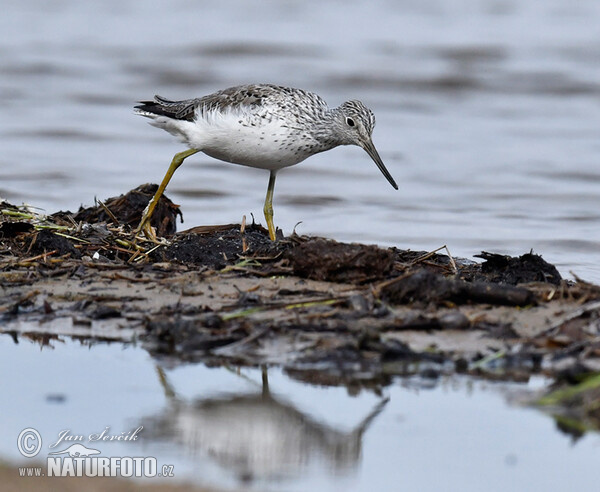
350 121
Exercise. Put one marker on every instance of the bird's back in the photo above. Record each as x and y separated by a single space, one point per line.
285 102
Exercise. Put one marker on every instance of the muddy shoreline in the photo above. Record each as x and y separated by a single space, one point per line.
327 312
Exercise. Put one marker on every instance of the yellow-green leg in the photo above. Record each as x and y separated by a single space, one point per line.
149 210
268 209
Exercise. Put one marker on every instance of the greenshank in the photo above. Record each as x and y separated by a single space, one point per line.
263 126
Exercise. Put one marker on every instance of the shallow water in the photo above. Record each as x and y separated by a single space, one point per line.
218 427
487 115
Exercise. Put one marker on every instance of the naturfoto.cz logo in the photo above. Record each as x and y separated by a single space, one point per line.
78 460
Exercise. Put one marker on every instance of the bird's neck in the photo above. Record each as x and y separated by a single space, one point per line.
326 129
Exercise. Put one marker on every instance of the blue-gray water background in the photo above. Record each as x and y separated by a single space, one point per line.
487 115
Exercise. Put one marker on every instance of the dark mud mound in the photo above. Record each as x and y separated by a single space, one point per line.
45 241
12 229
216 247
518 270
423 286
127 209
321 259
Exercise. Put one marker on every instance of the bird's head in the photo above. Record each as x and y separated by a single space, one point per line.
355 123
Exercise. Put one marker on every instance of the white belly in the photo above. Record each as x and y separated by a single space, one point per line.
230 137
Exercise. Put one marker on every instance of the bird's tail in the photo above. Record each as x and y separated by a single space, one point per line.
177 110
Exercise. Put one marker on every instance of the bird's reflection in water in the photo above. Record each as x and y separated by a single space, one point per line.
256 435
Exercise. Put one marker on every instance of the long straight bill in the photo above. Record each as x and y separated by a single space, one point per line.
372 151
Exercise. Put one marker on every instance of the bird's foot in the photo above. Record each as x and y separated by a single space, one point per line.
149 233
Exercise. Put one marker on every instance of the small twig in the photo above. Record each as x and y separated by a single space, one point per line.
145 254
107 210
104 266
306 304
51 227
120 276
241 314
376 290
243 233
72 238
426 256
265 258
13 213
272 306
123 243
73 223
585 283
241 265
38 257
451 260
117 248
135 255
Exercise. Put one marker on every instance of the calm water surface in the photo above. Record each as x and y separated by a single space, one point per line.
488 118
218 427
487 115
